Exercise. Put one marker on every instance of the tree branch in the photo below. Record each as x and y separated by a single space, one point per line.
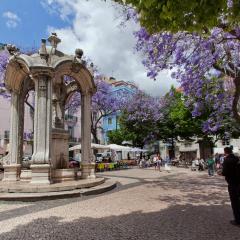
236 99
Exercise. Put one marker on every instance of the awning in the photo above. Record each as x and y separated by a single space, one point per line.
138 150
187 149
221 150
93 146
118 147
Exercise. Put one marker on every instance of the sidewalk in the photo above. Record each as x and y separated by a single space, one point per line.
146 205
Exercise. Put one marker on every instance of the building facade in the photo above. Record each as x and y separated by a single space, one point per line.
72 124
197 149
72 120
111 122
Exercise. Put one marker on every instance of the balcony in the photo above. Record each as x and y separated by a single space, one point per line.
70 119
74 140
6 134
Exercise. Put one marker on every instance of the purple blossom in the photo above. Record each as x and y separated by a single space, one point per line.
4 56
195 59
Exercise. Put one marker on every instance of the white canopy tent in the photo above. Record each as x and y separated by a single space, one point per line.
220 150
118 147
93 146
138 150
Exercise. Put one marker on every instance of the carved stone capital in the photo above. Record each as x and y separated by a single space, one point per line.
37 74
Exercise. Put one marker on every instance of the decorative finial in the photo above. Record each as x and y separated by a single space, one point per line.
54 40
78 53
43 50
12 49
91 69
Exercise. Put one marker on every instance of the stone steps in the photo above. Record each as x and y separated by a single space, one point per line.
104 187
26 187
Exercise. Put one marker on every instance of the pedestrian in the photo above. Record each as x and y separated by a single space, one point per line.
166 162
210 164
217 160
231 171
221 160
155 162
159 162
201 165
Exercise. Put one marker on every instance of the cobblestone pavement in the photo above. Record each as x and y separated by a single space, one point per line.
181 205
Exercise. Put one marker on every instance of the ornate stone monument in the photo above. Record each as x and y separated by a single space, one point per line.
45 72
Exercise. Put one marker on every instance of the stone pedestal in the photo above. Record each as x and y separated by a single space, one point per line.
59 148
88 171
40 174
62 175
11 172
26 175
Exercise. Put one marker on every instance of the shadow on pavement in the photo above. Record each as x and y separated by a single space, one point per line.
177 222
193 191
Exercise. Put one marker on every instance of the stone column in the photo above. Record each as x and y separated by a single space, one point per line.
12 161
88 167
42 130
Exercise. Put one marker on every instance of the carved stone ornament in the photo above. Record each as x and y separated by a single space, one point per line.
76 67
12 49
42 85
6 160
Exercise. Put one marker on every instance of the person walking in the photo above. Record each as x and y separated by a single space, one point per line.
166 164
217 160
159 162
221 160
231 172
155 162
201 165
210 163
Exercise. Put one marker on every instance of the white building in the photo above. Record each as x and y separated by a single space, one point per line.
197 149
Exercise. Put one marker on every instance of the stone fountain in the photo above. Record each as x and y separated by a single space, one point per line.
45 73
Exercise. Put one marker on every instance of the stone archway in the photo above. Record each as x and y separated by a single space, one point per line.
46 69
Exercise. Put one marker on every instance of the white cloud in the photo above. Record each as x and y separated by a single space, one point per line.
12 19
95 28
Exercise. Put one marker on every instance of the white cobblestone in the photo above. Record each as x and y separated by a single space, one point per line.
146 205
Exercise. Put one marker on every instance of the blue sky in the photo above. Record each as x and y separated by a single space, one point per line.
93 25
30 21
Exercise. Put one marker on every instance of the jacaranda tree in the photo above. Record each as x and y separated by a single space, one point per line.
202 54
139 119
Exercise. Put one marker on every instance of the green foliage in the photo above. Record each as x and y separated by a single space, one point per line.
116 136
183 15
175 124
136 131
177 121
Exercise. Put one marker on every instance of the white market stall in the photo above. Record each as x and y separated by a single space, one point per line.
220 150
119 152
93 146
122 152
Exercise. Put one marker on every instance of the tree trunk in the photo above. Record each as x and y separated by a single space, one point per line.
236 99
94 134
172 148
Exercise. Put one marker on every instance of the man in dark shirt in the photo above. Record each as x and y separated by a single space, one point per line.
232 178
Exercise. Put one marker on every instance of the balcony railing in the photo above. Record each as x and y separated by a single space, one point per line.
74 140
6 134
70 118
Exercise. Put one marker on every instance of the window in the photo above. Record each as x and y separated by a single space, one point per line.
6 134
109 121
187 144
71 131
94 116
117 120
225 142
